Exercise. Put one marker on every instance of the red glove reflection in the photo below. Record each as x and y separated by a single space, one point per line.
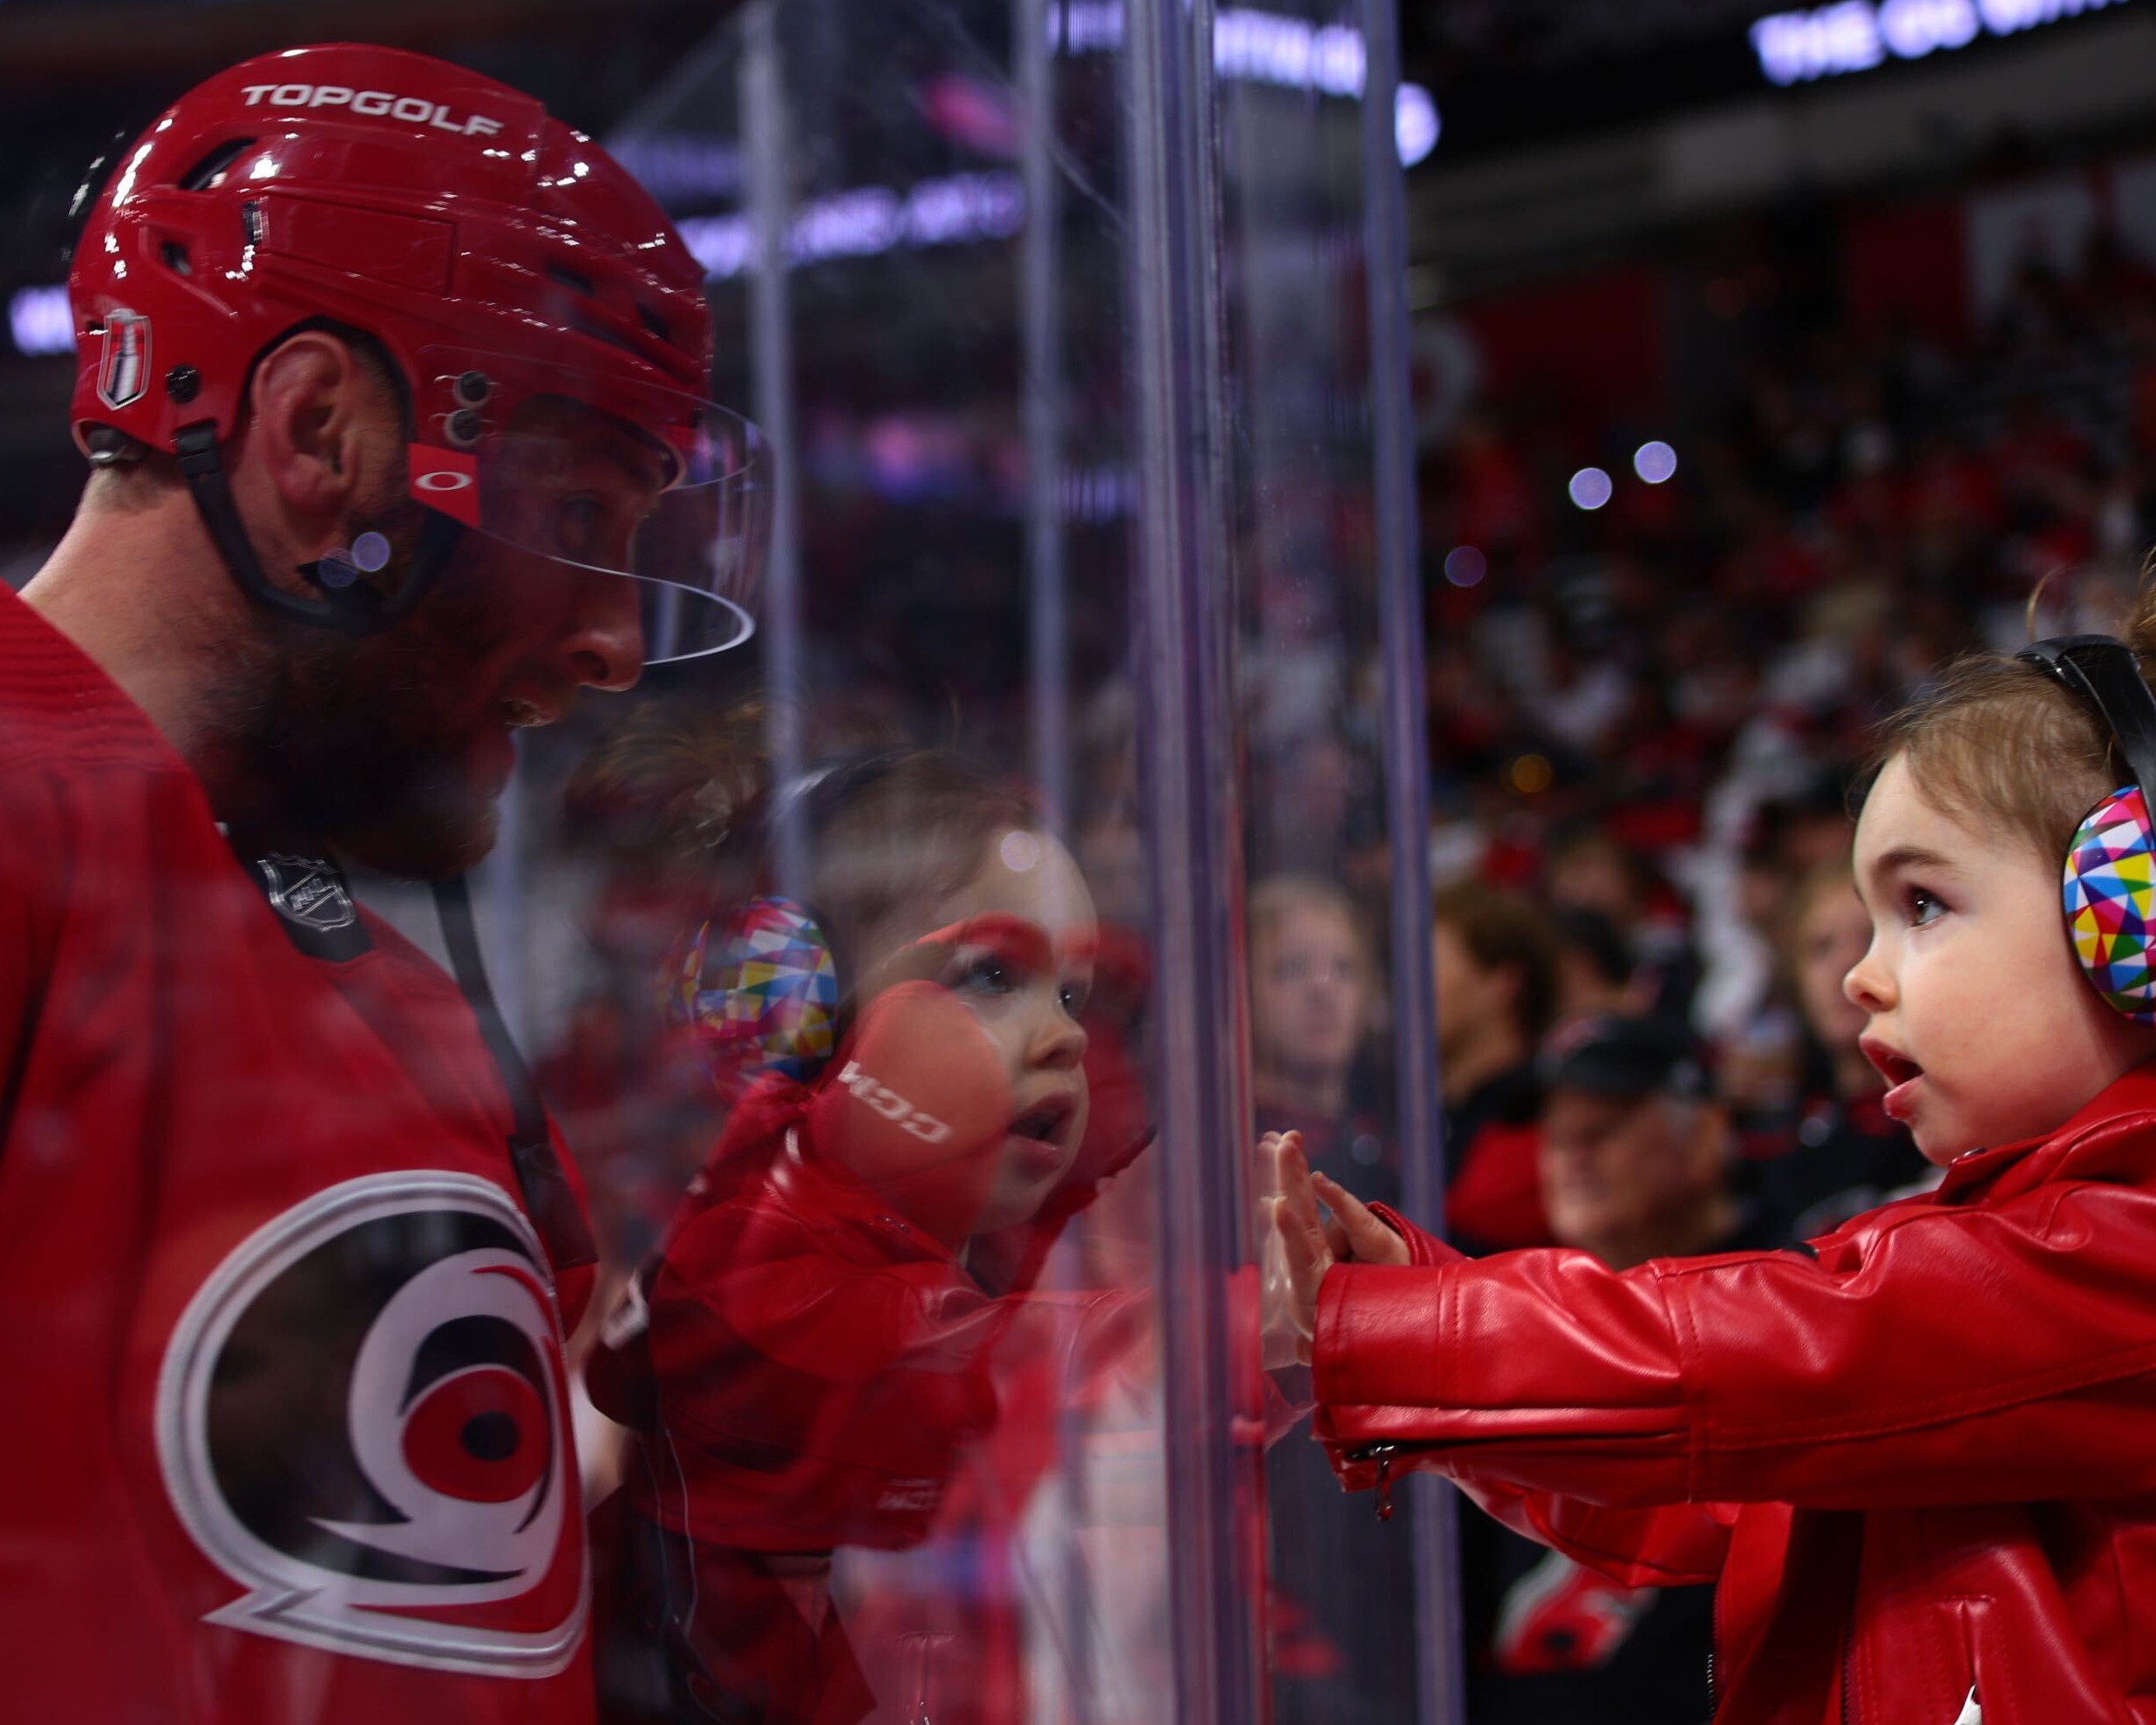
915 1108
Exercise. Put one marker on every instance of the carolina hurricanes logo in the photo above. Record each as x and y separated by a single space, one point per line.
1562 1617
363 1420
124 369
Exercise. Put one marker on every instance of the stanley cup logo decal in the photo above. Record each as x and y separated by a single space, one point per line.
124 371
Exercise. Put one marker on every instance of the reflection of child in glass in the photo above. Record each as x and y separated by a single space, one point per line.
1916 1453
812 1348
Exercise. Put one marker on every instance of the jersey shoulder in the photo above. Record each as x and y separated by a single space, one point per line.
60 709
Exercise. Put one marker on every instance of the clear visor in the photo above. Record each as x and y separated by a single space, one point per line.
604 474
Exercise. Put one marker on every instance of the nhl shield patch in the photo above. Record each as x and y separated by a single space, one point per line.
313 905
310 891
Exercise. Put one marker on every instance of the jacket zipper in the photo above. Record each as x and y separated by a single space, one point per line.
1382 1454
1848 1652
1387 1457
922 1645
1714 1649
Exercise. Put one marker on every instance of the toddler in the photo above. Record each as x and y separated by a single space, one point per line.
1915 1453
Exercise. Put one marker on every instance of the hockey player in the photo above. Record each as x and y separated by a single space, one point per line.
391 389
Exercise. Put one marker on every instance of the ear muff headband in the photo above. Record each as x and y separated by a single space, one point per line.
2108 886
2105 673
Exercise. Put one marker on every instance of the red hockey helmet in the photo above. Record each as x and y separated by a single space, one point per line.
528 290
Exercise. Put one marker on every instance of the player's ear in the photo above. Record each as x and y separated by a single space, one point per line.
312 427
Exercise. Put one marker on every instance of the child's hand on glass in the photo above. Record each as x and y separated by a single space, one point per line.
1304 1243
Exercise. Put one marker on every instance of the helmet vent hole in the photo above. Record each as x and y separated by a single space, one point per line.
175 255
653 324
208 174
575 280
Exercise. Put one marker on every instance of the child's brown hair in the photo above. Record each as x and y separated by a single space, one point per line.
1996 741
888 830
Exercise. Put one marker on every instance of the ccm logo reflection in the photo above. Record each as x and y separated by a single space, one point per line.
892 1106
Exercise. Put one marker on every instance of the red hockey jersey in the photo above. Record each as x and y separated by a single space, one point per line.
288 1436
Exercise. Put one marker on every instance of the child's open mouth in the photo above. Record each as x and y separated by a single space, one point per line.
1900 1073
1044 1123
1039 1130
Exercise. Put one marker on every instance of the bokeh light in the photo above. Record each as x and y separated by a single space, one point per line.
1531 774
1590 488
1415 123
1465 565
1653 462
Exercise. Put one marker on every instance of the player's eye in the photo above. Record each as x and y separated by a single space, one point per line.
580 521
1075 993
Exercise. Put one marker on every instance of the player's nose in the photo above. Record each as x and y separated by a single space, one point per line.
603 646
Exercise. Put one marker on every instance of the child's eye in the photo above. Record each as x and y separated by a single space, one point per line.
988 975
1923 907
1074 995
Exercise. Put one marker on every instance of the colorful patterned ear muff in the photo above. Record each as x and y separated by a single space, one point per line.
2107 889
758 991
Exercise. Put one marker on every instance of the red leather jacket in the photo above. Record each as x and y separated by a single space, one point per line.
808 1366
816 1362
1918 1456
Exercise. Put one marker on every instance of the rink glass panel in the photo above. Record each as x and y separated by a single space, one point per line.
1343 1635
949 364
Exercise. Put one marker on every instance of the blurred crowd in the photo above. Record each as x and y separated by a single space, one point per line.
1653 713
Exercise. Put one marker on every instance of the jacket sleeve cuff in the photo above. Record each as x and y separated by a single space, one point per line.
1379 1335
1424 1248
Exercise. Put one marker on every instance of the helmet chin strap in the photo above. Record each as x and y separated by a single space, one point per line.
549 1199
353 609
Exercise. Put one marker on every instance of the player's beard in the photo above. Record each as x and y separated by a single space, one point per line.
365 745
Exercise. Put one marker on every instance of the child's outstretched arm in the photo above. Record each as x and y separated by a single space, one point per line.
1653 1547
1932 1353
